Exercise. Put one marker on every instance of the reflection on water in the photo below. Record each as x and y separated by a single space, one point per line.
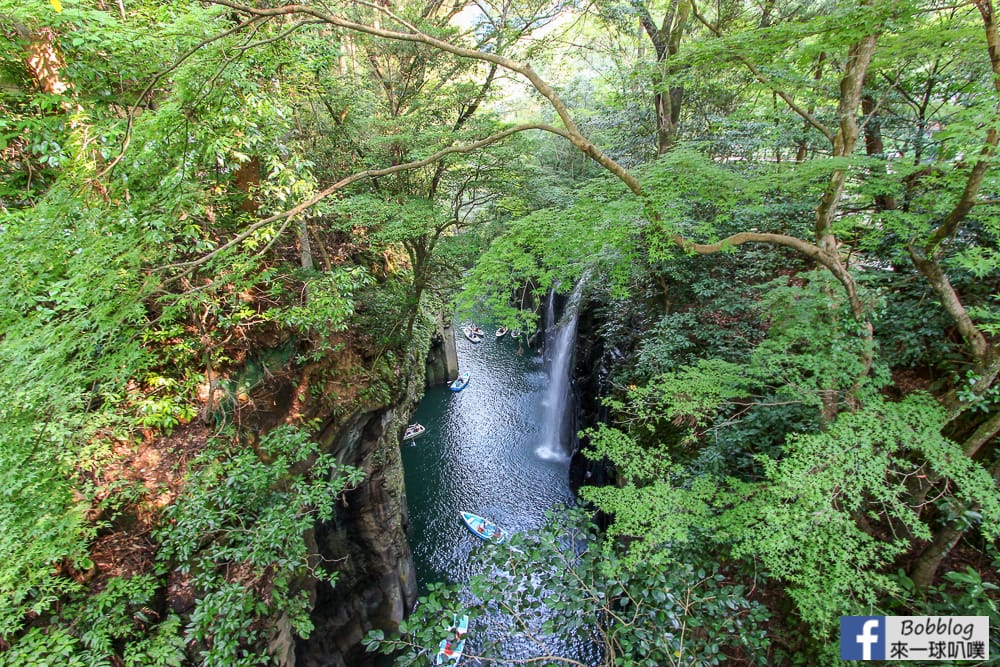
480 454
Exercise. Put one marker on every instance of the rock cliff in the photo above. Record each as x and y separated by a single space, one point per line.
366 542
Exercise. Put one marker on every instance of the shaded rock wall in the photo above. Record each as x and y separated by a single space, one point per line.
592 382
442 360
366 541
376 585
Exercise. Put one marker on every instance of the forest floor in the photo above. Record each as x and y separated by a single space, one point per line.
150 475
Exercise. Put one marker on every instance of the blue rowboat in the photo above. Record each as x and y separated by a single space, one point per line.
459 625
450 649
482 528
449 652
460 382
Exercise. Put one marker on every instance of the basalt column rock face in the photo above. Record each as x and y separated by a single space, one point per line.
592 378
366 541
442 360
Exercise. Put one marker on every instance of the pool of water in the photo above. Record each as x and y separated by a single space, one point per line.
489 450
482 452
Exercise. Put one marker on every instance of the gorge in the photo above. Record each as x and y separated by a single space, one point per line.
238 241
497 448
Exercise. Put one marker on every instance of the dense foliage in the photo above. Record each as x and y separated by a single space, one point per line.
237 534
785 214
161 295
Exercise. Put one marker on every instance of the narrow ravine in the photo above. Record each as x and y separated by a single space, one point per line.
480 453
499 448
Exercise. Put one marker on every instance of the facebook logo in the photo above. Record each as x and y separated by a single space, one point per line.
862 637
945 638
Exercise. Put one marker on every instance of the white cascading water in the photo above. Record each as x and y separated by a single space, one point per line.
550 330
559 342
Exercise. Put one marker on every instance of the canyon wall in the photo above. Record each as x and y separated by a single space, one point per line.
366 542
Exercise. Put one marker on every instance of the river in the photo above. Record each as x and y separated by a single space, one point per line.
482 452
485 450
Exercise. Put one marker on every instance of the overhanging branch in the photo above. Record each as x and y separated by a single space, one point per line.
828 260
572 133
355 177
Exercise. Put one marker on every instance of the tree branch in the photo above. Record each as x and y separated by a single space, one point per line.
827 259
573 133
967 200
353 178
705 22
974 338
463 116
851 84
282 35
646 19
986 432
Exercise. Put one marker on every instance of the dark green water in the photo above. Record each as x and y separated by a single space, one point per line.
492 449
482 452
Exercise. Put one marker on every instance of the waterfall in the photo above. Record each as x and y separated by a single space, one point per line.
559 342
550 328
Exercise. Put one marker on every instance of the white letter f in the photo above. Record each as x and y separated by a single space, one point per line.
866 638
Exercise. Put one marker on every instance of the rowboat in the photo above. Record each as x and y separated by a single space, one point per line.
502 331
450 649
459 625
482 528
413 430
460 382
449 652
472 335
515 333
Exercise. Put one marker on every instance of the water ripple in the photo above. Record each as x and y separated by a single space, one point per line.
479 454
482 452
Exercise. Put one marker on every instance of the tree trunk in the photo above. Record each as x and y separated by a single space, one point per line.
305 249
983 434
858 59
874 147
666 41
927 564
974 338
923 570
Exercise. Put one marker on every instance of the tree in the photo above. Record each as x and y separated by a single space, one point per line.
572 602
101 357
